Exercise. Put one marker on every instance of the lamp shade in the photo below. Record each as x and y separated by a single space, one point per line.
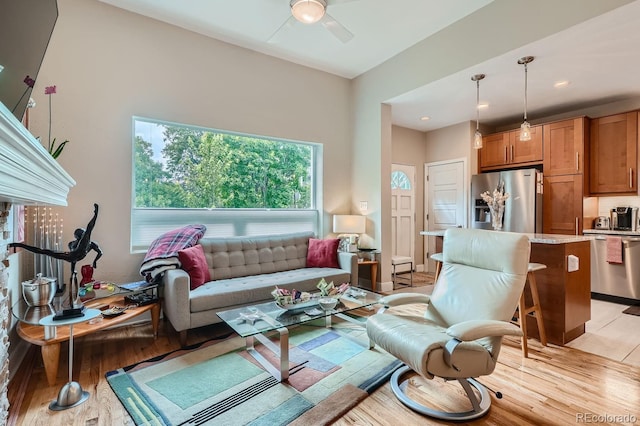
349 224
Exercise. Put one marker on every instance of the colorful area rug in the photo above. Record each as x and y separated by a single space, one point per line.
219 383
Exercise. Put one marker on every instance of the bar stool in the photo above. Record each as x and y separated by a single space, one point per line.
534 309
439 260
397 261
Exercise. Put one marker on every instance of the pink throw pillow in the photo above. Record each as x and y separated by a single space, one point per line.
195 264
323 253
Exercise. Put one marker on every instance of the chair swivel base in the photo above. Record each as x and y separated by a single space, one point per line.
480 408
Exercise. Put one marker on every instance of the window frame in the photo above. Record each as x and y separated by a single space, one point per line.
148 223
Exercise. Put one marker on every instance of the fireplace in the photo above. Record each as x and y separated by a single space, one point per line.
28 176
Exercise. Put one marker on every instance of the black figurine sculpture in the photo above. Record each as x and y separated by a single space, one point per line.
78 250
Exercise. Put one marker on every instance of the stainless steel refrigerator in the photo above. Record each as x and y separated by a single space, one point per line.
523 208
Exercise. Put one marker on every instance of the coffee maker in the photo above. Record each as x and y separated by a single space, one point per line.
624 218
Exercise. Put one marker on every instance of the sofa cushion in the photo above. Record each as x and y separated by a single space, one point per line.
323 253
227 293
232 257
195 264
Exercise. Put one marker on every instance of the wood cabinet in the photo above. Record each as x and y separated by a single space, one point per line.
494 151
614 154
565 297
527 151
565 158
565 146
562 205
505 150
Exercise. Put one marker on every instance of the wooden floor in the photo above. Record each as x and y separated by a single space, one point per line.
556 385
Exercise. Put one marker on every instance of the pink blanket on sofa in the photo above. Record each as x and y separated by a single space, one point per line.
163 251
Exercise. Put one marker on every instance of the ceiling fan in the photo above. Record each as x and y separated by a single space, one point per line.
310 12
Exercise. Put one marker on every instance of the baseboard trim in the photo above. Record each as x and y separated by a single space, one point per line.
17 354
386 287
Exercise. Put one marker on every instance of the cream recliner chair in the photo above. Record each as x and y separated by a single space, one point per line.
466 316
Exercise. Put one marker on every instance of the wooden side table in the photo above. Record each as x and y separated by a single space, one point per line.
50 344
373 264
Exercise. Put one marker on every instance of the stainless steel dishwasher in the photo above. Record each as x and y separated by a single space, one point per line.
621 280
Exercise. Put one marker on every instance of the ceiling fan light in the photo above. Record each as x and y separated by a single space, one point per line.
308 11
477 140
525 131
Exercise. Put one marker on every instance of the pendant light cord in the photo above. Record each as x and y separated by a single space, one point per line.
477 105
525 91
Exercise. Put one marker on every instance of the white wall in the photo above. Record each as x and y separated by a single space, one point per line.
452 142
110 64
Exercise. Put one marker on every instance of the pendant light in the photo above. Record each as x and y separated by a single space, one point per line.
525 127
477 138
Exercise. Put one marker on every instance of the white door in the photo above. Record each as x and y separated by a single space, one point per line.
403 212
445 200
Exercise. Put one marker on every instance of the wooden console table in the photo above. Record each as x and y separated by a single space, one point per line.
50 348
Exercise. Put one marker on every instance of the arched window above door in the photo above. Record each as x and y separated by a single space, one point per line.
400 180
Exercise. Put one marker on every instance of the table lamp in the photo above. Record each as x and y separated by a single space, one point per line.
348 228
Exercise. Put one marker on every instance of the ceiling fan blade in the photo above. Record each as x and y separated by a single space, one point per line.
277 36
336 28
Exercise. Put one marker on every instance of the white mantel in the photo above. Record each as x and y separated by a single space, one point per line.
28 173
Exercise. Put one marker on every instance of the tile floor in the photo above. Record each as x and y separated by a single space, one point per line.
611 334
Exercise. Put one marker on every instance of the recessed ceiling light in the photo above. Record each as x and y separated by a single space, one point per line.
425 118
483 106
560 84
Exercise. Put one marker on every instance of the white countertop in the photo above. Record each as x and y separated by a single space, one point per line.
610 232
534 238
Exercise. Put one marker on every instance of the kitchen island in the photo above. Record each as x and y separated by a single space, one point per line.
564 286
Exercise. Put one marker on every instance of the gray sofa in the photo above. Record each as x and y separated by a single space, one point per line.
244 270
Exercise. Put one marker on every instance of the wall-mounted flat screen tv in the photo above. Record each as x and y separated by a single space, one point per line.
25 29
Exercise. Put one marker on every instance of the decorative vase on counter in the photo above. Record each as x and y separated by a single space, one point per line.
495 201
496 216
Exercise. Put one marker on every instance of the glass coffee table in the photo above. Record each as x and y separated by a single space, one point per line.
254 321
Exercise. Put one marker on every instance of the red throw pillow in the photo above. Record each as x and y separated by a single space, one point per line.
195 264
323 253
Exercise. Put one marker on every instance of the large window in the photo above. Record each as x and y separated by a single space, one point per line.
235 184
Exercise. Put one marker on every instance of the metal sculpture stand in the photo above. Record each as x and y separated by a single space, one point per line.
71 394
